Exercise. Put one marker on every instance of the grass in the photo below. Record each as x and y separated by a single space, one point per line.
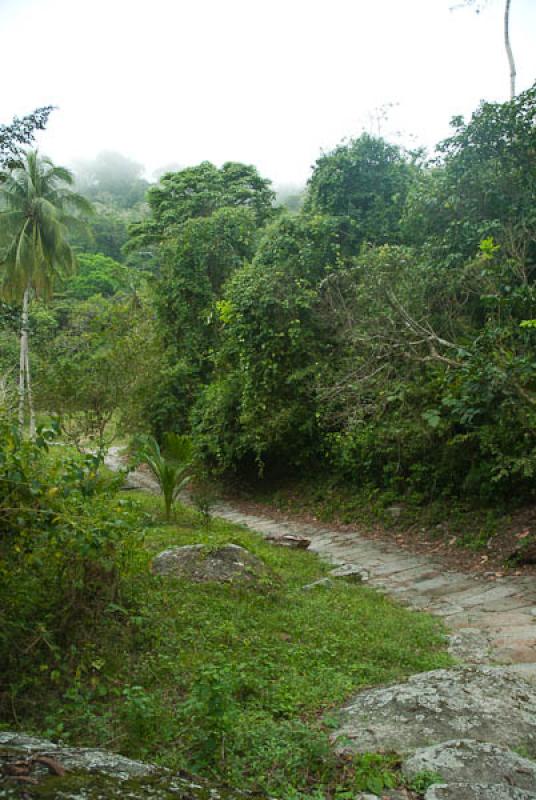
236 682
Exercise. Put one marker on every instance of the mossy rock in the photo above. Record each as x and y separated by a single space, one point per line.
90 775
201 563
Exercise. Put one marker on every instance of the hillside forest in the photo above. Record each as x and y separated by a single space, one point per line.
372 338
381 333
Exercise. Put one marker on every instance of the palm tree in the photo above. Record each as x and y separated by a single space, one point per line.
169 467
37 208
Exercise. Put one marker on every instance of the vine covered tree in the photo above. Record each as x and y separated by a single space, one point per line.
37 208
363 184
200 191
203 226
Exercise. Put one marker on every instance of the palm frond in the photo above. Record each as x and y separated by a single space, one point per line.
178 448
37 209
169 468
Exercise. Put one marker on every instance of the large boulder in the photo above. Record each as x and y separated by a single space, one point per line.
481 791
229 563
37 768
463 763
486 704
75 759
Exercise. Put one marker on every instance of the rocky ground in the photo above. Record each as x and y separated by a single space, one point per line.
491 620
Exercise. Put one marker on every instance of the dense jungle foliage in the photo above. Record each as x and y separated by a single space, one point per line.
377 332
380 334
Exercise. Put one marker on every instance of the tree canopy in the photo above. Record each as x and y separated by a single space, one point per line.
363 183
113 179
199 192
19 133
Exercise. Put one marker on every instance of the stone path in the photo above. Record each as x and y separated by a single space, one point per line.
490 621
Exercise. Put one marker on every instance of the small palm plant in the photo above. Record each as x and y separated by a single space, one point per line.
169 465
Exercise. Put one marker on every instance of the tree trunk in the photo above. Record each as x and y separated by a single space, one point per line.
23 361
508 47
33 427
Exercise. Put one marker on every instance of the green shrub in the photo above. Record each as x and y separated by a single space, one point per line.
66 543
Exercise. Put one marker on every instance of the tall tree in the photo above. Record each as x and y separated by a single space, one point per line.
199 192
483 185
202 227
37 207
509 53
479 5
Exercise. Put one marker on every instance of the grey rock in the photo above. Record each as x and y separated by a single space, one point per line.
93 775
526 671
351 572
200 563
482 703
468 761
289 540
77 759
133 482
466 791
395 511
471 646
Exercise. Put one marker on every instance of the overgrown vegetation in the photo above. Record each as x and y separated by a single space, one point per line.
65 543
373 345
229 681
378 335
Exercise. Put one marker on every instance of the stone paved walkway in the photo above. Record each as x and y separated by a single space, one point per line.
491 621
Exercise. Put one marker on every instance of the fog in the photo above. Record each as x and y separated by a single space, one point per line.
175 82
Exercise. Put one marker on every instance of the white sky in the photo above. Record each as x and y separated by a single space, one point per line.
266 82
